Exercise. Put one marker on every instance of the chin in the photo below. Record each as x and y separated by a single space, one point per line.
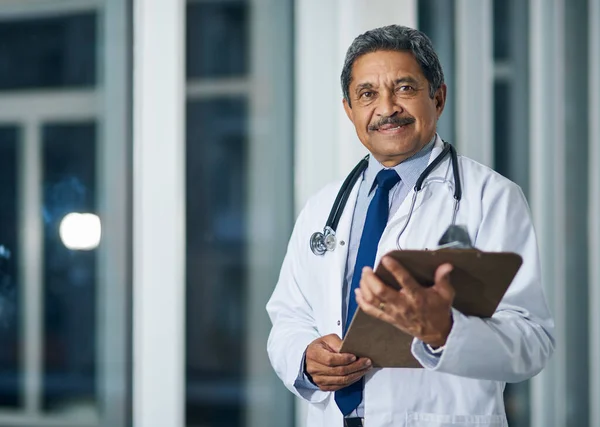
398 148
395 153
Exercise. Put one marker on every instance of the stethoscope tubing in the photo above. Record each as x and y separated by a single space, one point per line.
317 241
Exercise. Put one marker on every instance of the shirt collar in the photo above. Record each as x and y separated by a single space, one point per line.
409 170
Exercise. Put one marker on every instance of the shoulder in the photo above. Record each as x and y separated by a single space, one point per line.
478 177
320 203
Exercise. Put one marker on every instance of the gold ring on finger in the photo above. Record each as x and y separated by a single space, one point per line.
382 306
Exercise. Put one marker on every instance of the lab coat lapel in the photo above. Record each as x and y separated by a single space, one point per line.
339 256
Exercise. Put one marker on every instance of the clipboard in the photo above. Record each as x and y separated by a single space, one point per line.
479 278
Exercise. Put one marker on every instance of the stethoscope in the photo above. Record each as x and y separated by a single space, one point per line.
321 242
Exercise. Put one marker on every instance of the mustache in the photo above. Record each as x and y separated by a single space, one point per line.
393 120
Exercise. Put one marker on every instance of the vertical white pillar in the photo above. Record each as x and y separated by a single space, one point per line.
547 136
159 214
594 209
474 80
114 209
269 202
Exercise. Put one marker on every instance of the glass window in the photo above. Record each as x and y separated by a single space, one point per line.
577 256
69 176
511 135
217 39
238 145
10 348
502 27
64 149
436 19
502 127
216 264
51 52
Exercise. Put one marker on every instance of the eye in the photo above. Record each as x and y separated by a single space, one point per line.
366 95
405 88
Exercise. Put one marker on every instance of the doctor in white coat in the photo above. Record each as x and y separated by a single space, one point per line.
394 93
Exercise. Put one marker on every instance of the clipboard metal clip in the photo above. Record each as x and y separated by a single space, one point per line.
455 237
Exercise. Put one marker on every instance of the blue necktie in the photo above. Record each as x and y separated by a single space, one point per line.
350 397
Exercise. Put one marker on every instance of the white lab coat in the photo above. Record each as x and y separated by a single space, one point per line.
465 386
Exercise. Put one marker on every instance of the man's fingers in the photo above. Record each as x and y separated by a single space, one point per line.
320 352
373 311
442 282
327 383
333 341
407 282
367 287
373 289
318 369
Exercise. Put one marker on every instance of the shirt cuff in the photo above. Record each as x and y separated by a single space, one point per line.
434 351
303 380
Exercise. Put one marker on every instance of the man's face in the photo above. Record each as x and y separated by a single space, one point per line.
391 109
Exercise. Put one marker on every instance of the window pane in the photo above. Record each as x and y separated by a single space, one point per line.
436 19
216 267
69 175
502 128
217 39
577 255
52 52
10 352
502 28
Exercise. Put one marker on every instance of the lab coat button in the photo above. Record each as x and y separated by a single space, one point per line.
339 323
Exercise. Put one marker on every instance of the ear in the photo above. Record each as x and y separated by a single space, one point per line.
440 99
348 110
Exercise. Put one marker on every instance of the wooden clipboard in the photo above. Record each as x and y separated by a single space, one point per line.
479 278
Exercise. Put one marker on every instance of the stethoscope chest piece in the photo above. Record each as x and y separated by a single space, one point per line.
323 242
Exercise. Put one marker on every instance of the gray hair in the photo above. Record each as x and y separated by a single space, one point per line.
395 38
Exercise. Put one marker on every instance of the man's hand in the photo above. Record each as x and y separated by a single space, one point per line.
424 313
331 370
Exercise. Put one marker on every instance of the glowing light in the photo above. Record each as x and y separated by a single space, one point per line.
80 231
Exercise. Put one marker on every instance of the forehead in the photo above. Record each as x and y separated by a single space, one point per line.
383 63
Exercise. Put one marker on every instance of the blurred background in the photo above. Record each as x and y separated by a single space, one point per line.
154 155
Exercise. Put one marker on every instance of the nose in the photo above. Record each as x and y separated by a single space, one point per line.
387 105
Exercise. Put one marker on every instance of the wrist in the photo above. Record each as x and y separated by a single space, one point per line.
305 371
438 341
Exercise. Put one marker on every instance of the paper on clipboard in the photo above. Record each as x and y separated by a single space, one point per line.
479 278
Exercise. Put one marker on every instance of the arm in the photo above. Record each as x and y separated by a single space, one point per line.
296 348
517 341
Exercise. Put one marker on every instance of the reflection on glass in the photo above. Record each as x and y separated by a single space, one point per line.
52 52
80 231
217 39
10 342
69 175
216 268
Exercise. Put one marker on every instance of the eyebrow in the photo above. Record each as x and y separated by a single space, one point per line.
363 86
410 80
367 85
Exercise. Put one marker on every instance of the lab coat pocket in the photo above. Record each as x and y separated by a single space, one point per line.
421 419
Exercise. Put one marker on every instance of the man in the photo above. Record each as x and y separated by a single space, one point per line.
394 93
